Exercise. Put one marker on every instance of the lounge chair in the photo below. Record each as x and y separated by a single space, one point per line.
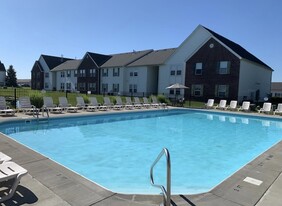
146 103
266 108
50 106
108 103
209 104
63 102
118 105
222 105
95 103
137 104
278 110
10 171
157 103
233 105
26 106
4 109
81 105
245 107
128 104
4 158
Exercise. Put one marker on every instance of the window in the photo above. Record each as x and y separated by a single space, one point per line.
81 86
172 72
92 86
82 73
68 73
68 86
105 73
135 74
171 91
178 72
62 74
197 90
46 75
199 69
46 85
115 87
222 91
224 67
104 87
62 86
92 72
75 86
116 72
38 75
75 73
133 88
131 74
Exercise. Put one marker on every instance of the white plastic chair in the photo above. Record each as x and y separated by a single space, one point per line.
279 109
209 104
245 106
266 108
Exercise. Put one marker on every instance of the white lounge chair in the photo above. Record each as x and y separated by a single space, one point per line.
4 158
233 105
146 103
266 108
95 103
63 102
137 104
26 106
245 107
156 103
50 106
10 171
278 110
81 104
128 104
222 105
209 104
108 103
118 105
4 109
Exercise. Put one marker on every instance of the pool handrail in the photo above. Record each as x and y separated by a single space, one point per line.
166 192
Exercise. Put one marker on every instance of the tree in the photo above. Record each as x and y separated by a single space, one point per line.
11 78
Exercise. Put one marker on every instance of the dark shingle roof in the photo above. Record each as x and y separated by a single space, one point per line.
53 61
237 48
123 59
276 86
157 57
2 67
99 59
67 65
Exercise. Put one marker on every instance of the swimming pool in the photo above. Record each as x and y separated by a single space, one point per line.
117 150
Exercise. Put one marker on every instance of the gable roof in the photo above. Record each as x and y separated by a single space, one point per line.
37 65
237 48
124 59
53 61
99 59
67 65
156 57
2 67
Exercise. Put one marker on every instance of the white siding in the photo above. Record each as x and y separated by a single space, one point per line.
72 79
140 80
110 79
253 77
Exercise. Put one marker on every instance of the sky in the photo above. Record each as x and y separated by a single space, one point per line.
70 28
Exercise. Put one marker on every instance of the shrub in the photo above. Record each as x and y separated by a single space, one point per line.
36 99
162 99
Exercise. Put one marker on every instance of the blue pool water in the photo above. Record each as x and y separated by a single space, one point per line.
116 151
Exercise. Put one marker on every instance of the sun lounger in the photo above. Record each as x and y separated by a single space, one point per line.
266 108
4 109
10 171
209 104
245 106
63 102
279 109
233 105
128 104
26 106
156 103
50 106
4 158
222 105
81 104
108 103
118 105
146 103
95 103
137 104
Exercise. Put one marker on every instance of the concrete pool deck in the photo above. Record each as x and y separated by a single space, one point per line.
259 183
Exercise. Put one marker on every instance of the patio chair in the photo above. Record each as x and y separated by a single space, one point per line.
4 158
81 105
26 106
278 110
209 104
221 105
266 108
50 106
4 109
156 103
63 102
108 103
10 171
118 105
233 105
146 102
95 103
128 104
137 104
245 107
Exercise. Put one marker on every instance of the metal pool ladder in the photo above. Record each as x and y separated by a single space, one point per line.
165 192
